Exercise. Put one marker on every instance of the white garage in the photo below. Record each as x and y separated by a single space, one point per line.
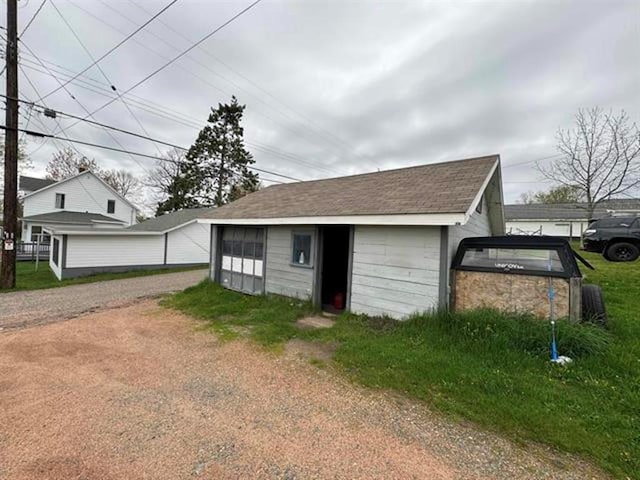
172 240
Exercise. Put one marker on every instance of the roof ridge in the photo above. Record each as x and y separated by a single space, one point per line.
422 165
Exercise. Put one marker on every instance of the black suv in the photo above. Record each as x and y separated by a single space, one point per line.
617 238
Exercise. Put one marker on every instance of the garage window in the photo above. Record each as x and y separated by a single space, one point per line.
242 259
301 249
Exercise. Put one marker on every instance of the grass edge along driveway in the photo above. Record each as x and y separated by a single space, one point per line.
482 366
27 278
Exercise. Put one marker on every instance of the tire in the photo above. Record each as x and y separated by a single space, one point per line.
593 305
622 252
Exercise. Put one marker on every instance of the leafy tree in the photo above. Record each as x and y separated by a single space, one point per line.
561 194
600 156
66 163
218 161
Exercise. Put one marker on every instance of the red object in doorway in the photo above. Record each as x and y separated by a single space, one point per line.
338 301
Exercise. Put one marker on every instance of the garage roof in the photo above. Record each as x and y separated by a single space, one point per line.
169 220
438 188
76 218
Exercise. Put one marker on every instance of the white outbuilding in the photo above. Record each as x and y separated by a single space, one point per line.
169 241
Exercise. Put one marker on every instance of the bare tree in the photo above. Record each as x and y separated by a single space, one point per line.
600 156
66 163
527 198
164 178
123 182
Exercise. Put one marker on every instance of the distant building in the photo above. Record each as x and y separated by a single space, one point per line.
82 201
563 219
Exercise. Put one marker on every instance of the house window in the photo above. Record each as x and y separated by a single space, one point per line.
35 231
301 249
56 250
111 206
479 206
59 200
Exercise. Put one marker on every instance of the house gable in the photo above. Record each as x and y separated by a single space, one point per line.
83 193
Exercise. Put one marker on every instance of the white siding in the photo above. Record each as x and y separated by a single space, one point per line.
56 267
112 250
477 226
188 244
84 193
557 228
395 270
281 277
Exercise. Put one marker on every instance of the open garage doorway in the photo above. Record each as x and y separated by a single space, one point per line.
335 265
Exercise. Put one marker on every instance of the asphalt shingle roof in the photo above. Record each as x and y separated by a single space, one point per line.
568 211
32 184
170 220
64 216
448 187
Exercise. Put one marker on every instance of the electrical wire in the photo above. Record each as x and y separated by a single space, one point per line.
106 147
118 45
297 129
177 57
64 86
32 18
84 47
179 117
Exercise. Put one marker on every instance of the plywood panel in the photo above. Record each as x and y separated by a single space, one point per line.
510 293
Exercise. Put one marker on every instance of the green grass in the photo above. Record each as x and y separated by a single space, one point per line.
486 367
27 278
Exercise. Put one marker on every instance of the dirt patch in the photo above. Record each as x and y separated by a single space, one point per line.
140 393
315 322
310 350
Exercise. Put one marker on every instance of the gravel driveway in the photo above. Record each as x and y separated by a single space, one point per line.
35 307
142 392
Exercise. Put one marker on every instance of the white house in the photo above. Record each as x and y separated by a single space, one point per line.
82 201
171 240
379 243
563 219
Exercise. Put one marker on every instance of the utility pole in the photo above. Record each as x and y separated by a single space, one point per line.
9 237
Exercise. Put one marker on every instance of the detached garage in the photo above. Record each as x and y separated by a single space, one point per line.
378 243
171 240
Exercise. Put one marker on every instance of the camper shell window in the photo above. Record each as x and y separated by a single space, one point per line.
521 255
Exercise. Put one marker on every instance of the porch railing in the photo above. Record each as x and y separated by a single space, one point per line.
28 251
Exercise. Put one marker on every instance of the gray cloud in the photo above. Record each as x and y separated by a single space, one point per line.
344 87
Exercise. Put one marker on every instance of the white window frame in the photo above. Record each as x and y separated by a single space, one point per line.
311 234
63 199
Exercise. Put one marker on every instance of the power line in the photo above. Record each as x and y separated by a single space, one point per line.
32 18
84 47
297 129
172 115
99 124
174 59
118 45
64 86
532 160
319 130
106 147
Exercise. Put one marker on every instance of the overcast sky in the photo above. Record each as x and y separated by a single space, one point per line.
338 87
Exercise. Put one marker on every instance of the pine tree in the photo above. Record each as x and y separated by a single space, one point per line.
217 164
